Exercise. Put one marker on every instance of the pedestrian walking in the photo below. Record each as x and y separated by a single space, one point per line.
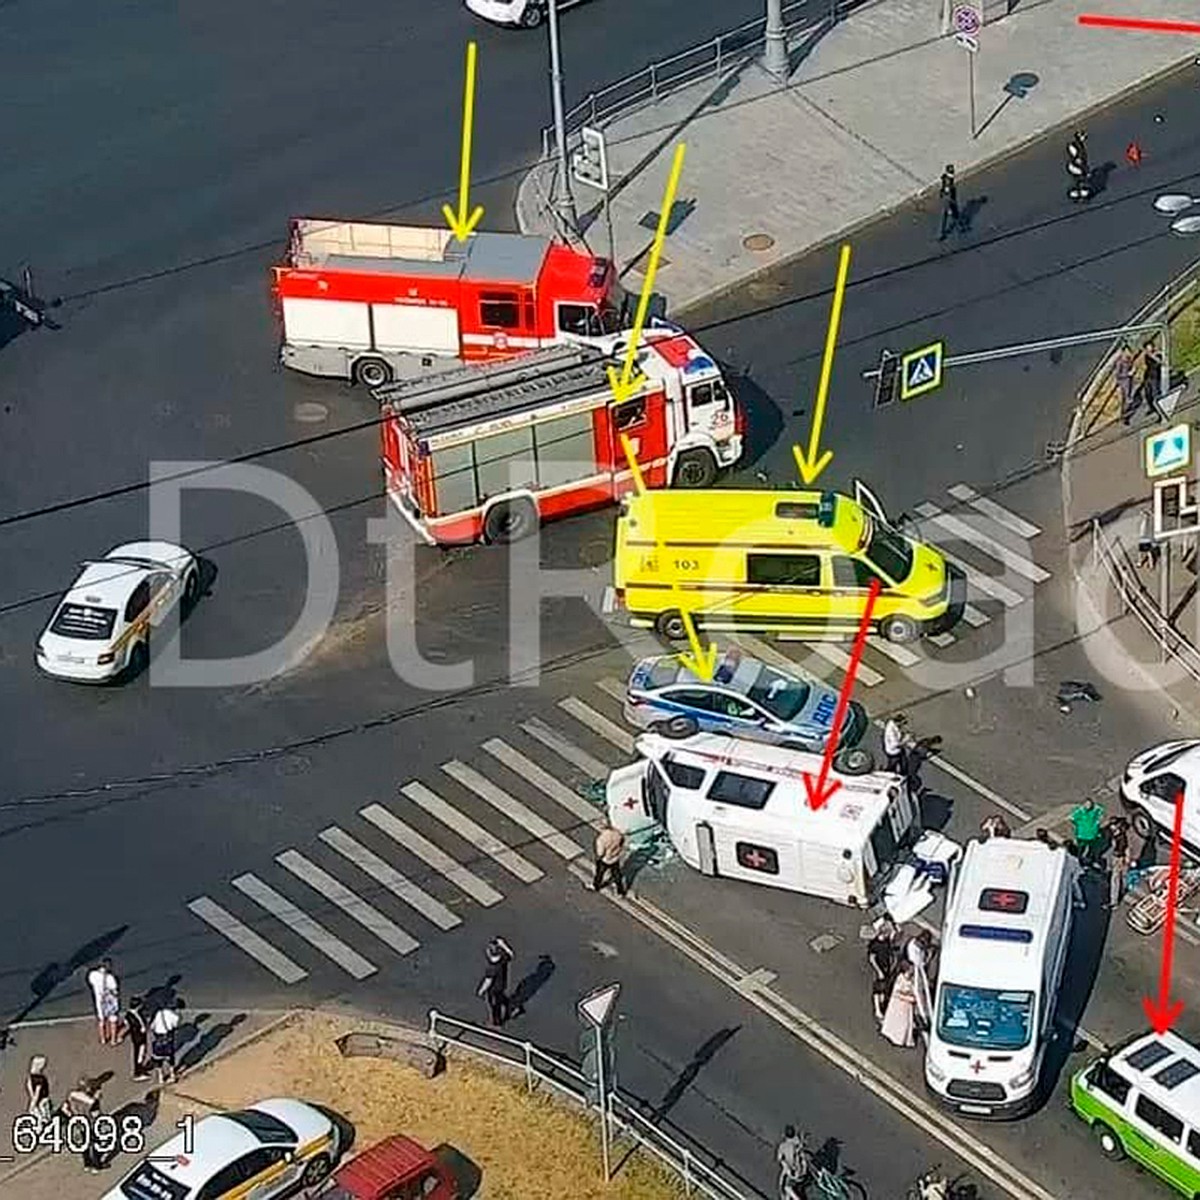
610 849
918 954
83 1104
951 214
994 827
164 1030
139 1036
106 997
1151 383
883 956
897 742
1119 858
900 1017
1089 838
37 1090
1148 549
1079 168
493 987
1123 372
792 1157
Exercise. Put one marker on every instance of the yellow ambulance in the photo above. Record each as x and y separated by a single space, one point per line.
766 561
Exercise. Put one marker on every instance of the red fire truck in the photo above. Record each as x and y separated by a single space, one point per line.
486 453
373 303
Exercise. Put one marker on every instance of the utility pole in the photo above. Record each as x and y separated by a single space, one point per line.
564 201
776 57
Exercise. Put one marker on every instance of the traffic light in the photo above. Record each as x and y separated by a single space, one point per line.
588 1065
589 162
887 385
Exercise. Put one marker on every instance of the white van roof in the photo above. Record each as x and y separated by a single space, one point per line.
845 821
1167 1069
996 926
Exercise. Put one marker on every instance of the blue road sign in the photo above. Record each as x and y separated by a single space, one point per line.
1168 451
921 370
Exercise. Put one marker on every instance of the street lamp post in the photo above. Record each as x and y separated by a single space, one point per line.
564 201
776 58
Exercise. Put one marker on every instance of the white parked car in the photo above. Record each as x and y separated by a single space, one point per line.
1153 780
529 14
101 627
270 1149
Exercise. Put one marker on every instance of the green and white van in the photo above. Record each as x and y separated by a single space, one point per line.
1142 1101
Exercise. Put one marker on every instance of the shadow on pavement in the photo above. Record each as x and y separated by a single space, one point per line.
465 1170
531 984
698 1062
209 1040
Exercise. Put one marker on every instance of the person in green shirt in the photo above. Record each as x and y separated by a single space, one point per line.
1089 838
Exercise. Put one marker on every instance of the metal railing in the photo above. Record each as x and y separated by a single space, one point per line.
1114 558
706 60
540 1066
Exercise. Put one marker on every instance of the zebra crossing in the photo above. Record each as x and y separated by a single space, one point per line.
418 864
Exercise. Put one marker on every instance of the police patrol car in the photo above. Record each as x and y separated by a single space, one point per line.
101 627
745 698
267 1150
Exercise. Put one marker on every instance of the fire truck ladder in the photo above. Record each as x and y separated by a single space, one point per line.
558 372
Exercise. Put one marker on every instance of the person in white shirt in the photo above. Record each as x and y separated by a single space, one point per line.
162 1040
106 996
897 742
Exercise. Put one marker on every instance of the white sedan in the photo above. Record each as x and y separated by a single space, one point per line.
101 627
529 14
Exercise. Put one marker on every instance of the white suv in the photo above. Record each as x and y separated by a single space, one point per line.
527 13
1154 779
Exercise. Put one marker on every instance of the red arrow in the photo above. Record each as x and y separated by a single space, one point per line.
1143 26
1163 1014
820 789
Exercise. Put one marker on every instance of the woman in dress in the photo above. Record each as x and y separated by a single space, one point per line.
900 1017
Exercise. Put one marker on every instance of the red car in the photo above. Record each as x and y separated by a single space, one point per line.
395 1169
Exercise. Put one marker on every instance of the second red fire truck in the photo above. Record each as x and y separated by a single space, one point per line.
487 453
372 303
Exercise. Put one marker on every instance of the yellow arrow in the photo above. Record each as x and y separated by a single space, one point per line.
812 463
639 483
460 223
630 380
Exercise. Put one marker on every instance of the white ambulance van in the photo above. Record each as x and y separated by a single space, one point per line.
1004 946
739 809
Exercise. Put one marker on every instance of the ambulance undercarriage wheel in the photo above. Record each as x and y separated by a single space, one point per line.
899 628
676 727
531 18
1142 825
695 469
372 372
854 761
670 626
509 521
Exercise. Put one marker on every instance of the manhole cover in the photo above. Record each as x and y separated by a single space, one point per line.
310 412
758 242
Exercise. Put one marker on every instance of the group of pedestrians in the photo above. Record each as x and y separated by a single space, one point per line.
902 971
153 1046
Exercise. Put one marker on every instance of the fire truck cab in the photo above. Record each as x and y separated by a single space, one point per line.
487 453
372 303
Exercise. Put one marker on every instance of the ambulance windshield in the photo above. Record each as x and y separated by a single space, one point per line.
890 552
985 1018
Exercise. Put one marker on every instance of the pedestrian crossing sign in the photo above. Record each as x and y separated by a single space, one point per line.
1168 451
921 370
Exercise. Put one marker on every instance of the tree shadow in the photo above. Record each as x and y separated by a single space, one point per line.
209 1040
687 1076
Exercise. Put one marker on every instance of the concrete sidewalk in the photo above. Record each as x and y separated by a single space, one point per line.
873 111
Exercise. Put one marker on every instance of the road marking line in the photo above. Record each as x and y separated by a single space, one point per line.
433 856
974 617
760 978
244 938
597 723
1050 819
352 904
311 931
613 688
767 653
1003 517
979 788
516 762
513 809
956 1138
982 541
942 639
840 659
986 584
593 768
384 873
479 837
901 655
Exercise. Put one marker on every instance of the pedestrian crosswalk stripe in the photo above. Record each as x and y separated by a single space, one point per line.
987 584
974 617
765 652
302 924
942 639
516 762
998 513
840 659
467 829
566 749
982 541
900 655
246 939
613 687
385 874
433 856
597 723
513 809
352 904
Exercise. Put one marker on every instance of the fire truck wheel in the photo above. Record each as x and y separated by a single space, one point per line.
372 372
509 521
669 625
531 18
899 628
855 761
695 469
